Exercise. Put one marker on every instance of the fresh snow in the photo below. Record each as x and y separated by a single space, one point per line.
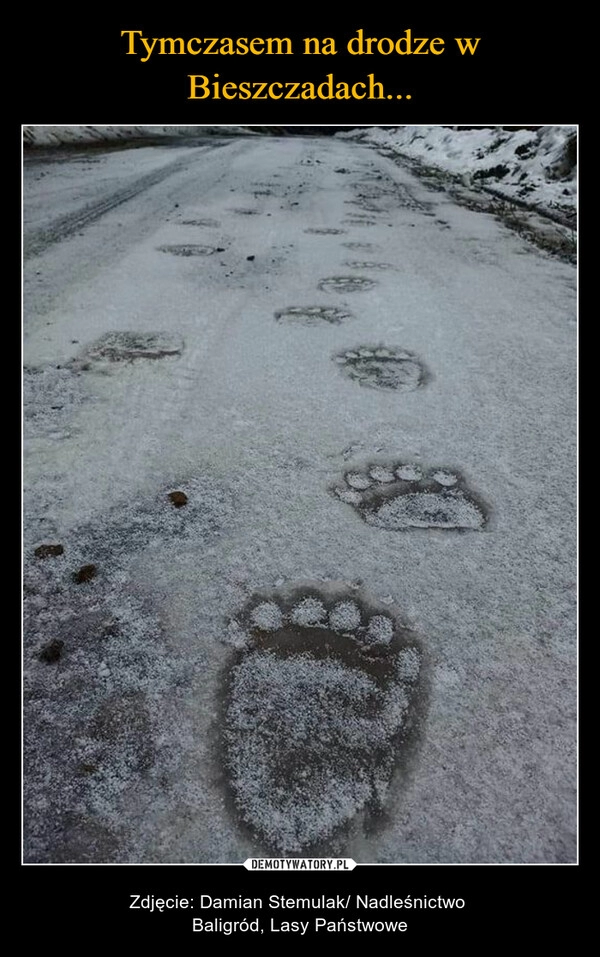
50 136
535 166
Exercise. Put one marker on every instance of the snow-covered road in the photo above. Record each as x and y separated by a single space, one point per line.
304 430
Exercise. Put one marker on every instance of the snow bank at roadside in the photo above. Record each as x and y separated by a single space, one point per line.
66 135
536 166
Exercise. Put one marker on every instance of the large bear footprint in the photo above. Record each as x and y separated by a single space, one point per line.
401 496
190 249
346 284
318 710
313 315
383 368
127 346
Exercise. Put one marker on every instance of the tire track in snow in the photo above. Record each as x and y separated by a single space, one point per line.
64 226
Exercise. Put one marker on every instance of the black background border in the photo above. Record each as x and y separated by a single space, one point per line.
74 70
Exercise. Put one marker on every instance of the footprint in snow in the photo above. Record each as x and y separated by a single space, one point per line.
359 221
363 204
367 264
346 284
319 707
127 346
359 245
208 223
313 315
325 231
382 367
400 496
190 249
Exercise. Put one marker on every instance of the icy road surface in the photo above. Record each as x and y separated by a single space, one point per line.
299 514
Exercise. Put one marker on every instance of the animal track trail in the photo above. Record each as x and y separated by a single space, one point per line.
244 211
128 346
346 284
368 247
313 315
381 367
208 223
381 198
367 264
319 707
324 231
190 249
359 221
401 496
